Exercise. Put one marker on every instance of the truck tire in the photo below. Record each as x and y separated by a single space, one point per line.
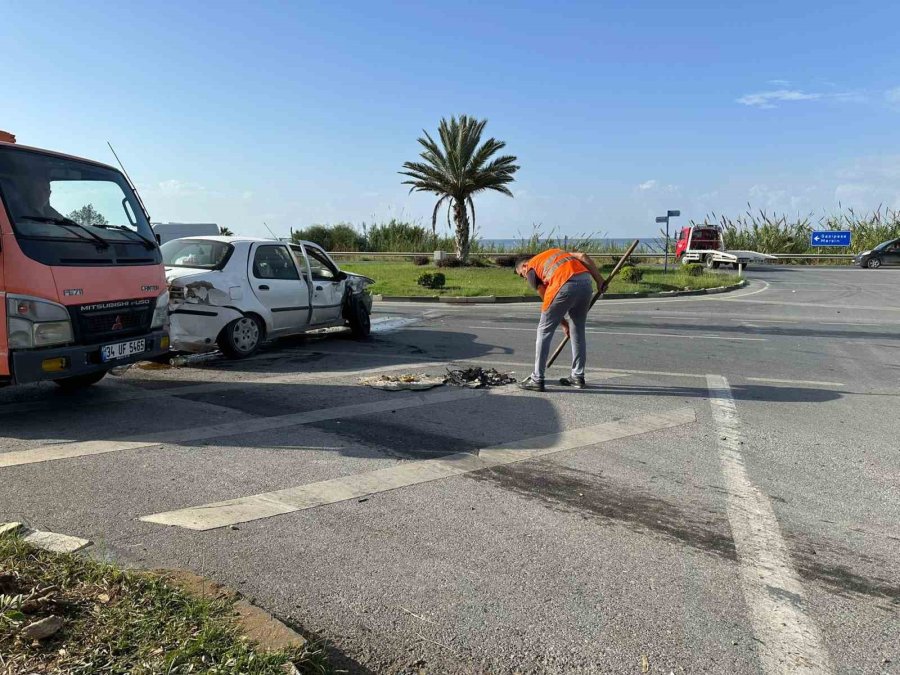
358 318
80 381
710 263
241 338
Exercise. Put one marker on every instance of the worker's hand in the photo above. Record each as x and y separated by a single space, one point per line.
565 326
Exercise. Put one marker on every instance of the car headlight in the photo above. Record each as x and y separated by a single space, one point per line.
36 323
864 253
161 312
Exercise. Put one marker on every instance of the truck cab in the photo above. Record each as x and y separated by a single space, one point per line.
82 285
695 238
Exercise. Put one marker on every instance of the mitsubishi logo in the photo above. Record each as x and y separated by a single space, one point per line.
117 325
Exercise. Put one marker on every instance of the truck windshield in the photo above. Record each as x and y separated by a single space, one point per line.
66 211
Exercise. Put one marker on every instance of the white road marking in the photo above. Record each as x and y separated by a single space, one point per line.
82 448
56 543
816 383
619 332
208 387
254 507
789 641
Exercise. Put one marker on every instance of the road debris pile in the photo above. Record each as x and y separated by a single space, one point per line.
476 378
407 381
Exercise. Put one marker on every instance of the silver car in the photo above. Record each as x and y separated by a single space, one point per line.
235 292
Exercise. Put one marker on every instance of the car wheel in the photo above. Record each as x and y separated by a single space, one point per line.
80 381
873 263
241 338
360 323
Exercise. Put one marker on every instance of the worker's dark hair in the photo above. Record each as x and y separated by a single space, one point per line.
521 259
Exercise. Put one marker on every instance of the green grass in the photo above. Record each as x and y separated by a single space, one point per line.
399 278
120 622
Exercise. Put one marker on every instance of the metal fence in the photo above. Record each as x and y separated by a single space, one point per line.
611 254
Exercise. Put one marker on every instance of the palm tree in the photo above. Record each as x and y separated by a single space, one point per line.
225 232
458 168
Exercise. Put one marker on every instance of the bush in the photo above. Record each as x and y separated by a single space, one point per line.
341 237
452 261
506 260
421 260
631 274
693 269
429 280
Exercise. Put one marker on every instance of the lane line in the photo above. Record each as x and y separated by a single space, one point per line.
774 380
788 639
618 332
49 453
135 394
311 495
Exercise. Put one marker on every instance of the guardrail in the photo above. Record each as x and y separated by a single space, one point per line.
610 254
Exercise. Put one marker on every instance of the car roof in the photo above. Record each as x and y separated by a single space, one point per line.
247 240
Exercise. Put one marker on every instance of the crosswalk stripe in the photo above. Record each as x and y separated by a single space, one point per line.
279 502
80 449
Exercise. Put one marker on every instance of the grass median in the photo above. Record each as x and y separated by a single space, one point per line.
399 278
106 620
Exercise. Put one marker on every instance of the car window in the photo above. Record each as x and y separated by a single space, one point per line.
322 269
196 253
274 262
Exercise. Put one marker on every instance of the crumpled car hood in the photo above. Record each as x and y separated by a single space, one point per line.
358 282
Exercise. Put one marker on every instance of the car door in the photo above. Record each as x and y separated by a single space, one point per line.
327 286
277 283
891 255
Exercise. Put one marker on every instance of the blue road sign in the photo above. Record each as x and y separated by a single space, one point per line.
830 238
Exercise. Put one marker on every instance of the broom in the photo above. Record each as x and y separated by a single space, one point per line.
598 294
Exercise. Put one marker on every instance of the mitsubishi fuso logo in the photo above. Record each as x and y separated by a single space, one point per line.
118 325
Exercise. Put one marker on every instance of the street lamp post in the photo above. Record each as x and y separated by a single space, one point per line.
665 219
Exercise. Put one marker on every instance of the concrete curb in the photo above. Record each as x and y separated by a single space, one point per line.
506 299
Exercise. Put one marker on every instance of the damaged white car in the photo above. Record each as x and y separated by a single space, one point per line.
235 292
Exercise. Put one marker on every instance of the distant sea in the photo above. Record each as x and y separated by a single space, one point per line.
608 241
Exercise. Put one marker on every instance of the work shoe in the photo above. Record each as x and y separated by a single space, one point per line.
530 384
576 382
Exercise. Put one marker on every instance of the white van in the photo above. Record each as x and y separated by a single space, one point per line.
168 231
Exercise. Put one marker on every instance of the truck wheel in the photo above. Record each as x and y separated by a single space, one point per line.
80 381
710 263
241 338
358 318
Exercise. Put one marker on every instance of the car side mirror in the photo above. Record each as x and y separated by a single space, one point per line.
340 276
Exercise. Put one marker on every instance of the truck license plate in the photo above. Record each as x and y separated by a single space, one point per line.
121 350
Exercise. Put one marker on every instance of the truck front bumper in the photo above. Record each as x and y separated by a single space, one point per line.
28 365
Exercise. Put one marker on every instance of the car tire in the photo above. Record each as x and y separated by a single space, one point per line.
873 263
242 337
358 318
80 381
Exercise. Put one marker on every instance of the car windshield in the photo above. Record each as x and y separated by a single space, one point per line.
58 198
203 253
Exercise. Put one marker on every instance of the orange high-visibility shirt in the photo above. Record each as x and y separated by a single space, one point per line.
553 268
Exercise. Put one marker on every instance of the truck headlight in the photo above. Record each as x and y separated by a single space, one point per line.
161 312
36 323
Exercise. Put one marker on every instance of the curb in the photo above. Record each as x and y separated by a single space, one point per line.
508 299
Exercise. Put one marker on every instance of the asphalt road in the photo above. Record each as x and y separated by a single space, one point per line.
722 498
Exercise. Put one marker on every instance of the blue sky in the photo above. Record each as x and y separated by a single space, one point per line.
301 113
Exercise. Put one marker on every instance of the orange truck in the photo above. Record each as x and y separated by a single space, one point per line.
82 284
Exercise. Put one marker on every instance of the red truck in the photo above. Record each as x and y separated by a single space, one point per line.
706 244
82 284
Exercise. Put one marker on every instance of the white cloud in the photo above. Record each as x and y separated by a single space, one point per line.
771 99
177 188
892 96
654 186
768 99
779 83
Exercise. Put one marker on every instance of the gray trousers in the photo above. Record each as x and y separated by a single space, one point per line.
572 300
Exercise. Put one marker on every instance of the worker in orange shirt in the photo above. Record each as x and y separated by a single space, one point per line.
563 280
